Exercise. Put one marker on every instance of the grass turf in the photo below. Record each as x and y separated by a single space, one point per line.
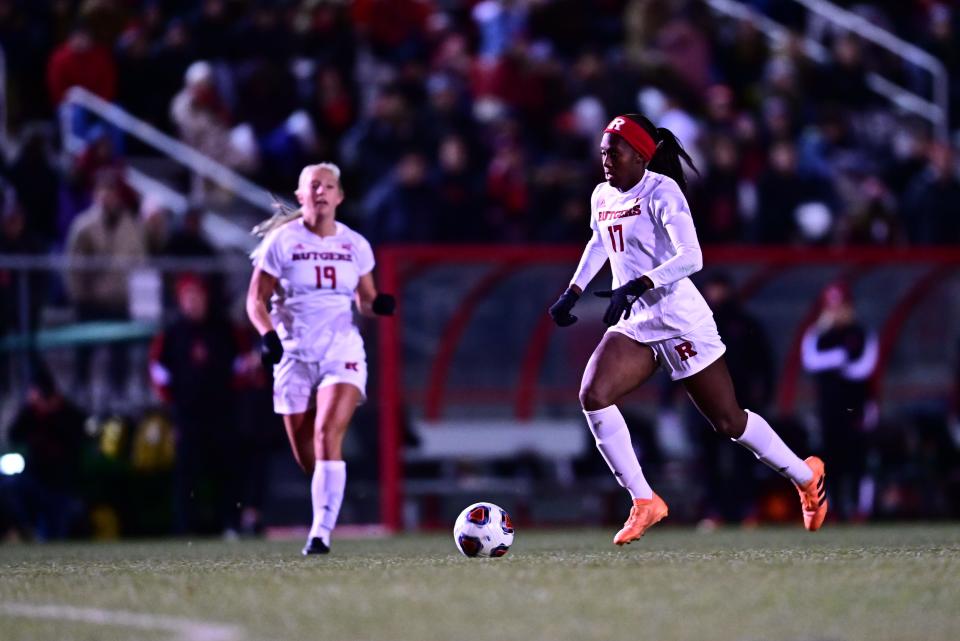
866 583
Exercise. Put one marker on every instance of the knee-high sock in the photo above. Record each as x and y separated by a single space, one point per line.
759 438
613 440
318 497
335 480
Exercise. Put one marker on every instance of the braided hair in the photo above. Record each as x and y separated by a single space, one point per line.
666 159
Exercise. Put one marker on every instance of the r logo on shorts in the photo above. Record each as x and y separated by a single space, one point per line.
351 366
685 350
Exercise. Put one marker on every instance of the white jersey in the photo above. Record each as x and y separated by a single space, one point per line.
648 231
312 309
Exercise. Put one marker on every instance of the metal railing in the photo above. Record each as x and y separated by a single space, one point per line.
45 320
176 150
935 110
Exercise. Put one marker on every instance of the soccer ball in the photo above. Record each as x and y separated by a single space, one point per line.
483 529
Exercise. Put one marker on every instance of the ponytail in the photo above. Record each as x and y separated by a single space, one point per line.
666 159
283 214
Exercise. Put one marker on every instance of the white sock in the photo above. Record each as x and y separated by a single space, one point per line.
335 480
759 438
613 440
318 498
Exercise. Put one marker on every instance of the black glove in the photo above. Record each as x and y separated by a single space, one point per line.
622 299
271 349
560 310
384 304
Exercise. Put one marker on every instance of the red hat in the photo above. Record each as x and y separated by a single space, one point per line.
189 279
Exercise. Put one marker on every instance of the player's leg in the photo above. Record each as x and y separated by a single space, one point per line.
299 428
336 404
335 407
619 365
711 390
292 398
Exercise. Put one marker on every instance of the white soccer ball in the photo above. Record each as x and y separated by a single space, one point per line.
483 529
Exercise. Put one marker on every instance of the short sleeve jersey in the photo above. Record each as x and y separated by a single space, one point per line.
317 279
632 227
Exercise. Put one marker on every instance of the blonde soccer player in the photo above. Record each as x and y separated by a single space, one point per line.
309 271
656 317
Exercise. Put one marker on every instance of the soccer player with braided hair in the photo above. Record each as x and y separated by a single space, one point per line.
656 317
308 271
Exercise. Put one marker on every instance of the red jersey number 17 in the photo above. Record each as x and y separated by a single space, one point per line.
613 237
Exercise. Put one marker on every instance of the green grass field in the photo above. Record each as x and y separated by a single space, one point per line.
868 583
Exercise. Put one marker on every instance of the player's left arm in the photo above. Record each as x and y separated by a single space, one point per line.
674 214
370 302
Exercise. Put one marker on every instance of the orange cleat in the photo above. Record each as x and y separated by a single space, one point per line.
643 514
813 495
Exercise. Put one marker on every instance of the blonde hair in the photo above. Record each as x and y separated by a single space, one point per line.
284 213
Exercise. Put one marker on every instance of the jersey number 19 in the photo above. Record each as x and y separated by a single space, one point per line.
328 272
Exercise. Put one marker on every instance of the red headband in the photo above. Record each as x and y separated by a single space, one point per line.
635 135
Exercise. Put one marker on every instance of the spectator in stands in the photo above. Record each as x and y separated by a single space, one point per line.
284 134
173 51
508 188
26 43
841 353
192 366
874 220
843 80
48 432
403 208
99 155
81 61
390 127
262 23
203 122
718 208
930 204
909 150
33 174
459 191
138 71
211 27
110 232
499 24
781 191
395 29
187 240
16 238
331 105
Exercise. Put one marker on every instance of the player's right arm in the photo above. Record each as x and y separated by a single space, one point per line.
261 288
591 261
593 258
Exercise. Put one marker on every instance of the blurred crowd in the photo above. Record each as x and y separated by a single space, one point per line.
454 121
467 121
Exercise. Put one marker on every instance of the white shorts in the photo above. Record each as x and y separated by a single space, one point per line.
683 355
295 383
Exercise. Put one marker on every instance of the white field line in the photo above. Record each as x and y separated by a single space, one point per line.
183 629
